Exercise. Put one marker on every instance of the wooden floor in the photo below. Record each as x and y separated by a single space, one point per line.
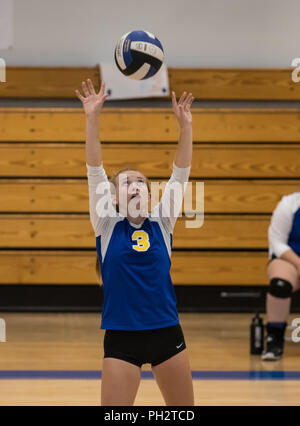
64 342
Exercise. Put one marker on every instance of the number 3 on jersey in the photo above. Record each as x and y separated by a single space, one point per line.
142 240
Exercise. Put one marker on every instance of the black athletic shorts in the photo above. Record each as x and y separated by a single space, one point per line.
144 346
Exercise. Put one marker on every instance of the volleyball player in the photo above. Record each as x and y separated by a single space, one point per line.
283 271
139 309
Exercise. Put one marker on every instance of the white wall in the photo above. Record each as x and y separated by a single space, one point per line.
194 33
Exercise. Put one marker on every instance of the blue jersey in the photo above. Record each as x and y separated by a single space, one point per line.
135 259
284 230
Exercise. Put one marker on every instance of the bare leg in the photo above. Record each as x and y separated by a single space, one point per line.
278 309
120 382
175 380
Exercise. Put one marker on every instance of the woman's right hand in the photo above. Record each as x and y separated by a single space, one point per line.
91 101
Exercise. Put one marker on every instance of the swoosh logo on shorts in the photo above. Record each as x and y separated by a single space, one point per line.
179 346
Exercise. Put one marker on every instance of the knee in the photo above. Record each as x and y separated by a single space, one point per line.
280 288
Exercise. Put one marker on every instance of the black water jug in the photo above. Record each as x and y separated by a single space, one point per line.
257 335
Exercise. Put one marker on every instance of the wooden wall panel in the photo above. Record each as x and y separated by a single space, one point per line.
71 195
204 83
75 231
209 160
238 84
153 125
188 268
46 82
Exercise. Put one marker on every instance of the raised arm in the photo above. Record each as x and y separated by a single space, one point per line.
99 190
92 105
183 156
170 204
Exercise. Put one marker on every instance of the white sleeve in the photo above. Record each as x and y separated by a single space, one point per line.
280 227
100 200
170 204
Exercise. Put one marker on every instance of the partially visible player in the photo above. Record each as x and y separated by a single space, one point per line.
283 271
139 310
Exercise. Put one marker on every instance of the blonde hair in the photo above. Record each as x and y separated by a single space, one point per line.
113 180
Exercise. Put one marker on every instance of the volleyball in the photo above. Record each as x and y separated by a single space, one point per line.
139 55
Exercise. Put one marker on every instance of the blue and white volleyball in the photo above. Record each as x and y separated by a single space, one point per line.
139 55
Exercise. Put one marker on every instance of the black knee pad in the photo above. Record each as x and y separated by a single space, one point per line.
280 288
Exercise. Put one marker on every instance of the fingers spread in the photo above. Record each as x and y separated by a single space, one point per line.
191 101
182 98
91 87
102 89
174 102
85 89
187 100
79 96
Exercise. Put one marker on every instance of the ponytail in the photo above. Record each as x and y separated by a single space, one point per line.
98 270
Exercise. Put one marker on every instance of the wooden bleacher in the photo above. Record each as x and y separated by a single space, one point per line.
276 161
247 157
154 125
252 83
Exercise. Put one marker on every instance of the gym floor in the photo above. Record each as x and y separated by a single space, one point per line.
56 359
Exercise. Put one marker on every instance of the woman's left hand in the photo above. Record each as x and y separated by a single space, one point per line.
182 109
